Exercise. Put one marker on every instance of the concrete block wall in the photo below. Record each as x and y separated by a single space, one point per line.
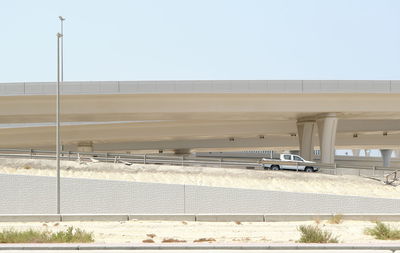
21 194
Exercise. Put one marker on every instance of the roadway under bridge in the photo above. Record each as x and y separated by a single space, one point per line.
196 115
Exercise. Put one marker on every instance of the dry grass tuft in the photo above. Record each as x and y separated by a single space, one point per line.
336 219
71 235
151 235
383 231
313 234
238 222
317 220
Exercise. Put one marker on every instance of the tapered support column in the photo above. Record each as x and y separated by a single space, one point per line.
327 125
386 156
397 153
356 152
367 152
305 131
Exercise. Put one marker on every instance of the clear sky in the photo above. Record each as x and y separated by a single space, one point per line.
202 39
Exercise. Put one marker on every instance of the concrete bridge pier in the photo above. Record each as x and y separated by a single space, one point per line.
327 125
386 156
305 131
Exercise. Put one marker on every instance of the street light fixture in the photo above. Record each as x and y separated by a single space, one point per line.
62 48
60 78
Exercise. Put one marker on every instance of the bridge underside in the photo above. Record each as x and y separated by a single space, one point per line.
200 135
205 121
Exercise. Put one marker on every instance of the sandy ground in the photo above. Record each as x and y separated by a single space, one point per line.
222 232
220 177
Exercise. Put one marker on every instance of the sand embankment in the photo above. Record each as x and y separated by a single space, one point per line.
205 176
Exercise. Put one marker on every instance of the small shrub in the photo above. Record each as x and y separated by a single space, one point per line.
72 236
205 240
184 223
317 220
29 236
151 235
313 234
383 231
336 219
33 236
169 240
238 223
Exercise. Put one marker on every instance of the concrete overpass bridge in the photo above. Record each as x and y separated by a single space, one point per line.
183 115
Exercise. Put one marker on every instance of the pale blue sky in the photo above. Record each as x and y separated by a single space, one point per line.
203 39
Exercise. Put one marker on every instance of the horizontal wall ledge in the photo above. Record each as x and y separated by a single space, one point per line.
94 217
230 217
29 217
163 217
195 217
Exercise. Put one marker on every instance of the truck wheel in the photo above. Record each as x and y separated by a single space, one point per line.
309 169
275 167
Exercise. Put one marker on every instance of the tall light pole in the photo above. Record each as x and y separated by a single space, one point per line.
62 48
60 78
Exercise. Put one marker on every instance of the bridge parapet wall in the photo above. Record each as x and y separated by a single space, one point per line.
205 86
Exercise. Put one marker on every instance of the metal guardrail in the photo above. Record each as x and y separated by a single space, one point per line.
248 163
124 158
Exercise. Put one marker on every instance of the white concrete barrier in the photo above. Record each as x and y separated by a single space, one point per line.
164 217
310 217
29 217
296 217
195 217
230 217
372 217
94 217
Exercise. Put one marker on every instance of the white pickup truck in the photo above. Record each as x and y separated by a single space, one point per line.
289 162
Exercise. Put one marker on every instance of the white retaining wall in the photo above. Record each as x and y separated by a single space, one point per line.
21 194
